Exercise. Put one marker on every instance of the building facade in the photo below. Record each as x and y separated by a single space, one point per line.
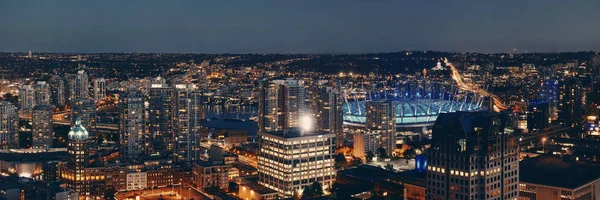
9 123
161 122
211 175
81 88
381 115
474 155
187 122
26 97
132 125
570 103
365 142
41 127
42 93
99 89
88 182
85 110
290 160
538 118
280 105
57 90
328 110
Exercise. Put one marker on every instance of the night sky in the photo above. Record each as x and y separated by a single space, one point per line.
311 26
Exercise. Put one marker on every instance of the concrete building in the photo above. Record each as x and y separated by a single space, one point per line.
381 115
99 88
211 175
570 103
67 195
137 180
42 93
328 110
290 160
81 87
9 124
57 91
474 155
132 125
365 141
88 182
161 121
26 97
85 109
538 118
251 190
280 105
187 122
51 170
41 127
550 177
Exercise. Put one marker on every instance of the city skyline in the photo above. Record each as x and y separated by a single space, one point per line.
270 100
299 27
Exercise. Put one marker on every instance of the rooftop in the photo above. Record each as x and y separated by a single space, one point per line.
209 164
258 188
414 177
294 133
553 171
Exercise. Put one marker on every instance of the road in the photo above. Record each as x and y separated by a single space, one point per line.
537 138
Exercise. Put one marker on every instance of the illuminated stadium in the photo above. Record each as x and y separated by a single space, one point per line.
418 107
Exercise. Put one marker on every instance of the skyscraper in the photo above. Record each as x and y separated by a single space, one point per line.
365 142
89 182
70 88
42 93
328 110
474 155
81 85
570 104
281 103
9 122
99 89
26 97
132 125
41 127
161 122
57 90
292 159
187 122
549 92
537 116
381 115
85 109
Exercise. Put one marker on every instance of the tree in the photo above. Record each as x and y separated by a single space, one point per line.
382 152
370 155
312 191
110 193
390 167
409 153
340 160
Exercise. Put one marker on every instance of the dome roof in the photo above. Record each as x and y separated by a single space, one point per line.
78 132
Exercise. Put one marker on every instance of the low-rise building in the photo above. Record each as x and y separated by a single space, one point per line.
251 190
550 177
137 180
211 175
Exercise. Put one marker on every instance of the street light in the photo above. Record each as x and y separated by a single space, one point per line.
544 144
